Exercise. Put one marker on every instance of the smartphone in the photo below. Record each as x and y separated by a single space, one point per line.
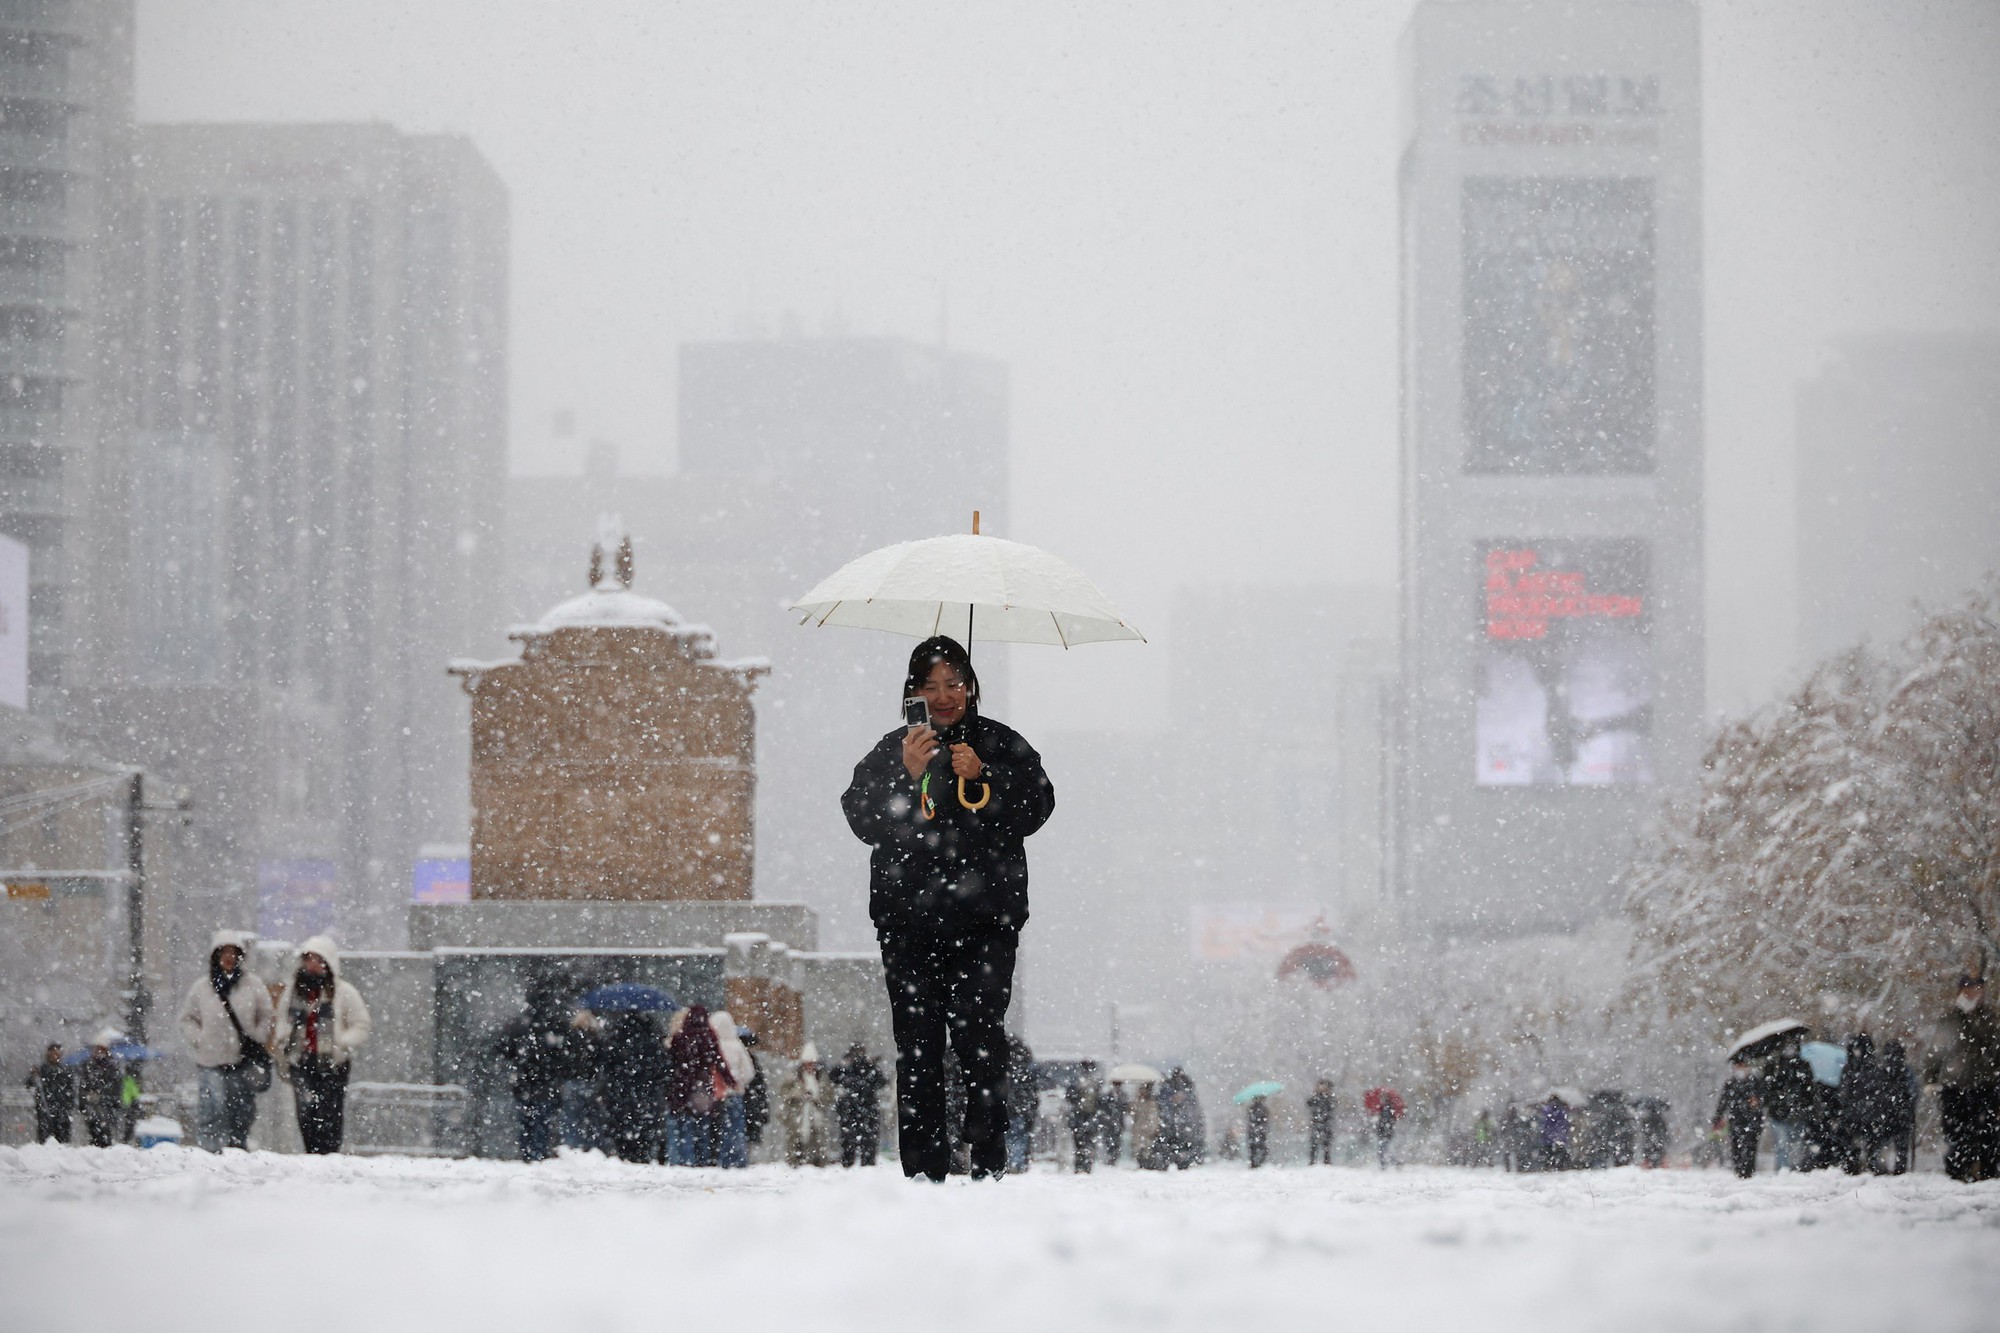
916 713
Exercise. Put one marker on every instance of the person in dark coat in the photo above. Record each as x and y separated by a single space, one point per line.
1741 1109
1652 1132
1319 1112
1788 1103
55 1095
1113 1107
1022 1102
1964 1064
1257 1130
756 1094
548 1044
1183 1128
857 1105
1080 1108
100 1092
1868 1095
688 1080
1899 1084
946 808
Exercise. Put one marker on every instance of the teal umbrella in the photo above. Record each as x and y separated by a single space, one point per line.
1256 1090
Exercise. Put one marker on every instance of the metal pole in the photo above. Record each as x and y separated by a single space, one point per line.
137 1002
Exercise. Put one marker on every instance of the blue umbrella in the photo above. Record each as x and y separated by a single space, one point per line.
128 1051
1256 1090
1826 1059
628 997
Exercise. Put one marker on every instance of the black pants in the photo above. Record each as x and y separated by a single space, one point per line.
858 1139
1971 1119
1085 1154
51 1125
103 1126
1260 1146
950 990
320 1093
1743 1138
1319 1148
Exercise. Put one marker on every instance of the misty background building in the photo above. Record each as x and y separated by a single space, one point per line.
1552 624
1898 483
311 503
65 163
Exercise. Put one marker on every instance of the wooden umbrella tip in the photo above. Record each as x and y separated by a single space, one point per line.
975 522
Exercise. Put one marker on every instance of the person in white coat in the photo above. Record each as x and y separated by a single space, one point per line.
224 1068
321 1021
735 1150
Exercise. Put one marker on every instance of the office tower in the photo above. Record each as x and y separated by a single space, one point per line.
1552 453
317 456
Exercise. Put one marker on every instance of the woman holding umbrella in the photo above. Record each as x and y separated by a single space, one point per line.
946 805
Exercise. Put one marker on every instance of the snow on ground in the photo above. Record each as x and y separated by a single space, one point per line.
174 1239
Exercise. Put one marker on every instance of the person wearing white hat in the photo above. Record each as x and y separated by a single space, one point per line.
227 1012
806 1103
321 1022
98 1087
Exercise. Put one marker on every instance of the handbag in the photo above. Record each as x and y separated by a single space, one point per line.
254 1065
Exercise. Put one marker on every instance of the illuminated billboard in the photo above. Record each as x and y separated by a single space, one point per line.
1565 664
295 899
1558 325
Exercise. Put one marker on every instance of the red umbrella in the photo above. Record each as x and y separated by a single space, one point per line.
1320 963
1371 1101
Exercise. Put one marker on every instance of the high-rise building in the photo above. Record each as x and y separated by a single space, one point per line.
1898 483
317 459
65 155
1552 452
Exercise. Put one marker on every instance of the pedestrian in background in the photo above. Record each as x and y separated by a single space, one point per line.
734 1148
805 1101
1788 1103
55 1095
1740 1109
858 1082
1964 1065
946 806
1257 1130
1146 1154
1080 1111
1900 1091
1023 1102
100 1090
545 1046
226 1021
1319 1118
1183 1127
756 1093
695 1083
321 1022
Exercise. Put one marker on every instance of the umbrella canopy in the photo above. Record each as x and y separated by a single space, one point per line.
628 997
984 587
1826 1059
1764 1039
1372 1101
1567 1095
1133 1074
1256 1090
126 1050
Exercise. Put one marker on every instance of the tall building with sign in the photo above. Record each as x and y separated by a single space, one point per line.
1552 453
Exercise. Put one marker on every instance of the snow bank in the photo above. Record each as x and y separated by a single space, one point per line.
91 1236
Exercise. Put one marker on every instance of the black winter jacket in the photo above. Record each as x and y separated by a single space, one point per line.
965 870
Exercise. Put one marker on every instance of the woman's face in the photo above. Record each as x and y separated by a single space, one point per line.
944 694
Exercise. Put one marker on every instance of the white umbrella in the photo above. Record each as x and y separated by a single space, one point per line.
1568 1096
1133 1074
1763 1035
984 587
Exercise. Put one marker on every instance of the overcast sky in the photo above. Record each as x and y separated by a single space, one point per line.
1175 223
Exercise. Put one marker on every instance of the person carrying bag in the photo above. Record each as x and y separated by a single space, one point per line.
224 1020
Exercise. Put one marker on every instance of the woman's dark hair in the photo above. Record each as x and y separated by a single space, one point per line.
940 648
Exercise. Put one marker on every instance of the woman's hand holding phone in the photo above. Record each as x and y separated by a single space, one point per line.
919 744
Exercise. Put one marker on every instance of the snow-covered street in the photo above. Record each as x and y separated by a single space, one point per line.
91 1239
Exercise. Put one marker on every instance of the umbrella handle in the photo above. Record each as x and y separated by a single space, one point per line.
985 795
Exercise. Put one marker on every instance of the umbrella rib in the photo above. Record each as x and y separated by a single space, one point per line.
829 611
1060 636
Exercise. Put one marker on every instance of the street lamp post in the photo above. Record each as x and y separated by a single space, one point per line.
138 1000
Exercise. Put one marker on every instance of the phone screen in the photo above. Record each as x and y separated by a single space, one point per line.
916 713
